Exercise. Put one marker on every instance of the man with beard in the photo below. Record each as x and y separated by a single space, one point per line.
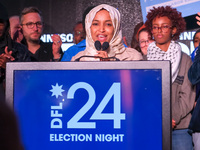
32 28
9 50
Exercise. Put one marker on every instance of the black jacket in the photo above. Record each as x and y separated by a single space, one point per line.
19 52
194 77
43 54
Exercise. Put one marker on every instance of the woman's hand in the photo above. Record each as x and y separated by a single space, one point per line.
6 57
102 54
57 42
173 123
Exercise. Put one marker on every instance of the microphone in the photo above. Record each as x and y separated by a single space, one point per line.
105 46
97 45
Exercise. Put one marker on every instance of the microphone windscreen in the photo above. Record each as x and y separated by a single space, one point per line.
97 45
105 46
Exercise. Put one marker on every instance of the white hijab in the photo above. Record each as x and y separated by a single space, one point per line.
115 45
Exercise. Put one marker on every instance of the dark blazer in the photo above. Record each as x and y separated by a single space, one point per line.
194 77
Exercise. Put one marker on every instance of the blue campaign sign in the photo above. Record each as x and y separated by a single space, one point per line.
89 109
186 7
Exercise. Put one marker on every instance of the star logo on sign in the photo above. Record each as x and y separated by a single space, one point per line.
56 90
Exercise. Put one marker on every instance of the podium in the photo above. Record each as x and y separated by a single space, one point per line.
91 105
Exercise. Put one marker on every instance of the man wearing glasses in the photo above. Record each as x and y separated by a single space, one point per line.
79 32
79 40
32 27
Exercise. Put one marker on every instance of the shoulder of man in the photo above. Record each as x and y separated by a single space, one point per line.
20 52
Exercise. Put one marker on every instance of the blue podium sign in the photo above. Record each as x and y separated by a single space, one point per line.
96 107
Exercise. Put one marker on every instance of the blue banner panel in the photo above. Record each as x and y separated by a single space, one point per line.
89 109
186 7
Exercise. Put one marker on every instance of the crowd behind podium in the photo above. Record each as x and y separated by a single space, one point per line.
99 38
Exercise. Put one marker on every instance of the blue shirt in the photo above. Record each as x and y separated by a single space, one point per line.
73 50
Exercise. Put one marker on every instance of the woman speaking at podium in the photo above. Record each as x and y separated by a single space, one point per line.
104 37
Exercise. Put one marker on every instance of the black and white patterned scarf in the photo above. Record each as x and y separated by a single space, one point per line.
173 54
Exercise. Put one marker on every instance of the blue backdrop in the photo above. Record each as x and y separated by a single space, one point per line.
187 8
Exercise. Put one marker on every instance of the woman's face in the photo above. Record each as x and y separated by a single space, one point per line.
144 41
102 28
197 40
162 31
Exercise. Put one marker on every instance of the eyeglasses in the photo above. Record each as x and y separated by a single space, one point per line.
144 43
163 28
77 33
30 25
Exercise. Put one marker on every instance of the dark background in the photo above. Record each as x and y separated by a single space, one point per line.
61 15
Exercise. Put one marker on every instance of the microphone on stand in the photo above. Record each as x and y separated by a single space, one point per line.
98 47
105 46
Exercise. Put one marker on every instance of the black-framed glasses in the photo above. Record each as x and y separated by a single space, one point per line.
163 28
30 25
77 33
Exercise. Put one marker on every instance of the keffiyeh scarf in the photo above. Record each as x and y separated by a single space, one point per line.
173 54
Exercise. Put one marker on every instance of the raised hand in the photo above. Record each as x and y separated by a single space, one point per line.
173 123
102 54
6 57
56 46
